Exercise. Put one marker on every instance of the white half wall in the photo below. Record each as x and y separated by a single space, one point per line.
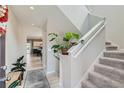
88 54
115 22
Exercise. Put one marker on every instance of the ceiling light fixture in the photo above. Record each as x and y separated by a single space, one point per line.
31 8
32 24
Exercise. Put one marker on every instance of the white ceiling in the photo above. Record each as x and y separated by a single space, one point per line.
27 16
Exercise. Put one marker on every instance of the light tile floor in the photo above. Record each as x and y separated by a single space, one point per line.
34 62
53 80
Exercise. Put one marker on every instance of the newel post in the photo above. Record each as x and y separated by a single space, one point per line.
65 71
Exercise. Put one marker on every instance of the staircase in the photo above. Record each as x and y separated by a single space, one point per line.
109 71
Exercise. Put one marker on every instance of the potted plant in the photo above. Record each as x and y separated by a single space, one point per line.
63 44
19 66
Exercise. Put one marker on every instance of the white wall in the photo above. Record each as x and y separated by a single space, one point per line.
13 40
44 33
32 31
56 22
76 14
16 38
115 22
52 62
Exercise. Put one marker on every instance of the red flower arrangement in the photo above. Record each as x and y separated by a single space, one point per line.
2 31
4 14
3 19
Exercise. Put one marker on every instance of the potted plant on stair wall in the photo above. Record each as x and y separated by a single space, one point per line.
19 66
63 44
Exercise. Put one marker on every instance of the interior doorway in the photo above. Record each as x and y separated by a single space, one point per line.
35 76
34 54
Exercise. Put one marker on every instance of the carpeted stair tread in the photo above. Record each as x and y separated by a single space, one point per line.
107 43
113 62
111 47
114 54
87 84
103 82
110 72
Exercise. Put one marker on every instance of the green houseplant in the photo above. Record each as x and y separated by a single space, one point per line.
19 66
14 84
62 44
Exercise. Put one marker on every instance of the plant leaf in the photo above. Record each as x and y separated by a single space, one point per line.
52 34
14 84
52 39
55 51
14 69
65 39
68 35
55 46
71 35
76 36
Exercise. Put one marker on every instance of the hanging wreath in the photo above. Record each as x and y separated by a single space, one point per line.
3 19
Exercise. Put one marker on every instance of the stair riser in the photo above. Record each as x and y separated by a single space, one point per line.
86 86
101 83
83 85
111 48
112 55
117 64
111 73
107 43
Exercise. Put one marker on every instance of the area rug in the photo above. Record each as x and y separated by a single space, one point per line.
36 79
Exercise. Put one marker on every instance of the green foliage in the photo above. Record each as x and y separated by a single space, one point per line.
19 65
66 41
56 48
14 84
70 35
53 36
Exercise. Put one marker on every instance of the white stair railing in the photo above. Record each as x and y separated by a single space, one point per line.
75 50
82 56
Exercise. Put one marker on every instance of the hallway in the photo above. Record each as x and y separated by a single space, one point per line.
35 76
34 62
